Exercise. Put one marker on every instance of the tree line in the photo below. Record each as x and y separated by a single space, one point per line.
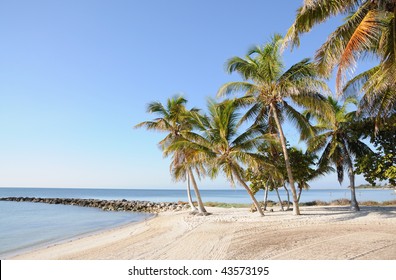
242 136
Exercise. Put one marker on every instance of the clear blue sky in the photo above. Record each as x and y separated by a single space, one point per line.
75 77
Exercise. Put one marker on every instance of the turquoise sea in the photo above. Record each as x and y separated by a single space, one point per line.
25 225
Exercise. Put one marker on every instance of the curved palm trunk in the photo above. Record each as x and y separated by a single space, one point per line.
258 208
354 203
279 198
201 207
192 206
296 209
299 194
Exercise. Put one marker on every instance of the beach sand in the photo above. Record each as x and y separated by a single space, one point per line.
324 233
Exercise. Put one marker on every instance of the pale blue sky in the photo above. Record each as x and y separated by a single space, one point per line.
75 77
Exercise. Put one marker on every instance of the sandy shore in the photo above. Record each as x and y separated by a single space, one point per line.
319 233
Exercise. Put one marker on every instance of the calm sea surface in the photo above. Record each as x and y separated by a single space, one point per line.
27 225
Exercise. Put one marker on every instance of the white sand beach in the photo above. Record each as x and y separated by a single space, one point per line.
324 233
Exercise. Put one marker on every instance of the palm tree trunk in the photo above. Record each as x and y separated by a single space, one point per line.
299 194
296 209
288 197
201 207
258 208
280 200
266 197
351 174
192 206
354 203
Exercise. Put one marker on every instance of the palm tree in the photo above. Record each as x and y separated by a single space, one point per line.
174 119
379 99
183 167
269 88
370 27
220 145
338 142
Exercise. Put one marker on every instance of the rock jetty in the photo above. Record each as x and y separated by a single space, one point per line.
108 205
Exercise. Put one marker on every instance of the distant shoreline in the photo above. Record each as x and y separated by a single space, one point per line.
237 195
375 188
156 207
182 188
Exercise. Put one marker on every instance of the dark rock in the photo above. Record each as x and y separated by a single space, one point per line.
107 205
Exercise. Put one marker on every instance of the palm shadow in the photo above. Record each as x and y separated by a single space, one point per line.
345 213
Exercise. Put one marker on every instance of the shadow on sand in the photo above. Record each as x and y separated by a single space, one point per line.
345 213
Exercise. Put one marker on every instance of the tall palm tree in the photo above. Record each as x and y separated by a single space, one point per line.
222 147
338 142
173 118
269 89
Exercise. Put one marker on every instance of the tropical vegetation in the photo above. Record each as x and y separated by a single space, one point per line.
379 165
369 29
271 90
221 147
244 139
336 138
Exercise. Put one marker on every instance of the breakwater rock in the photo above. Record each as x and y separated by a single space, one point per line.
108 205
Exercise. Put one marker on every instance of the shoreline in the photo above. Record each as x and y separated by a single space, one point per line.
321 232
41 246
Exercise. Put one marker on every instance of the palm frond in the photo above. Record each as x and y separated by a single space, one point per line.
354 85
300 122
233 87
158 108
364 36
314 12
318 142
300 70
246 67
328 55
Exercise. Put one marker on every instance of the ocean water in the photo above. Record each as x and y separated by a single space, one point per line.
25 225
165 195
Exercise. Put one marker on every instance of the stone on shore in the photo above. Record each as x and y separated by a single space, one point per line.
107 205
